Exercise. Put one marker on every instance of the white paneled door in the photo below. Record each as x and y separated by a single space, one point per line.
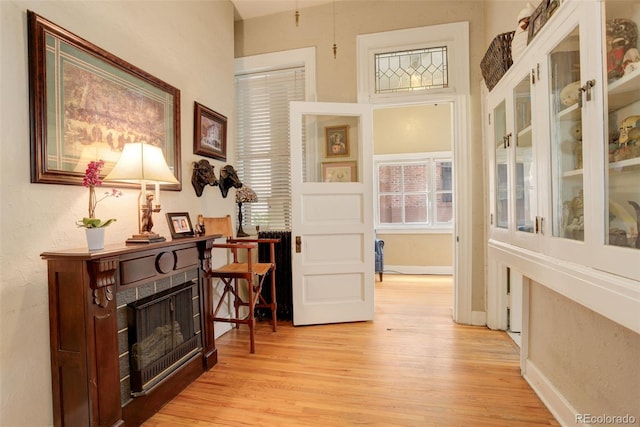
332 208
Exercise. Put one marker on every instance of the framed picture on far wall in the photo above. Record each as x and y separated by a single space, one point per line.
179 224
339 172
210 133
337 141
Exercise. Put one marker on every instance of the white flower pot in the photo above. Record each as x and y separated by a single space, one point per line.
95 238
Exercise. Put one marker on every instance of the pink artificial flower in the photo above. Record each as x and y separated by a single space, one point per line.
92 174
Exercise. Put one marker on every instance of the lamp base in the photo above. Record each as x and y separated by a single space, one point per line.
146 238
241 233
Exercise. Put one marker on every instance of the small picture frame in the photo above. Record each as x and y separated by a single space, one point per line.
537 20
180 225
339 172
210 133
337 141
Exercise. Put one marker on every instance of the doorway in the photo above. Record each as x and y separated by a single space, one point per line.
413 187
453 38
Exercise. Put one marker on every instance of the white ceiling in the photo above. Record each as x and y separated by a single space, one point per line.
246 9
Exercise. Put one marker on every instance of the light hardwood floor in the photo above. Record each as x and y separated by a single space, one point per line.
411 366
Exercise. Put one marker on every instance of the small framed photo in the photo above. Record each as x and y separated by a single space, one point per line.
339 172
180 225
210 133
337 141
537 20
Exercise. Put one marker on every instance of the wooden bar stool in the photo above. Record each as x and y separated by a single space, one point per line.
237 270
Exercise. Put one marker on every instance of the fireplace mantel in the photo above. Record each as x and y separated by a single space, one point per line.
84 327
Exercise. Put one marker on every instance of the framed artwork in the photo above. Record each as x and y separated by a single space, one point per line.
210 133
552 6
86 104
537 20
337 141
339 172
179 225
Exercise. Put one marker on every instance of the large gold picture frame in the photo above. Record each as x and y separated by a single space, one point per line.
86 104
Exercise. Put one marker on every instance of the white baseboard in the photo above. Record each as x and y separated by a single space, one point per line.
479 318
418 269
561 409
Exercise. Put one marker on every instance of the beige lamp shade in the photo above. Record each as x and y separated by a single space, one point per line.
141 162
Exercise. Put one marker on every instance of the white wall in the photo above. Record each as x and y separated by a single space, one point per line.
188 44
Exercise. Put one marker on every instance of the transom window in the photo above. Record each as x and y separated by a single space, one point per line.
411 70
414 191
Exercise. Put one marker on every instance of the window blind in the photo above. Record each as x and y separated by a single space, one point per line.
263 143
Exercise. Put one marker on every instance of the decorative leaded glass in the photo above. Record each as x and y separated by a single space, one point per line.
411 70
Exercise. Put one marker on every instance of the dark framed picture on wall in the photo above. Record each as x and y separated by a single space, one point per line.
179 224
210 133
87 104
337 141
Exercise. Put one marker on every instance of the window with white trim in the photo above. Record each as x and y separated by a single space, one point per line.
262 142
414 191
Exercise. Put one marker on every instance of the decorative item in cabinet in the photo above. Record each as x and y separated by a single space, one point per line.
497 60
622 39
574 218
627 144
573 144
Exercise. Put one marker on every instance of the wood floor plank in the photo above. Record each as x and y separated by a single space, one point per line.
411 366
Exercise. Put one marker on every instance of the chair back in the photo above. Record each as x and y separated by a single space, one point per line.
218 225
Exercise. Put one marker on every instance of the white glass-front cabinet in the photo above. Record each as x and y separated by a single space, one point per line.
564 140
514 194
618 160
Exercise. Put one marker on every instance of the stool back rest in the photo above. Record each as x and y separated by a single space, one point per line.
218 225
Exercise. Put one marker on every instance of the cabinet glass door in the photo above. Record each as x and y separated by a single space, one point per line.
622 198
567 178
525 182
501 171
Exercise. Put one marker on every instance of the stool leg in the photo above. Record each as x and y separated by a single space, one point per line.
274 302
236 302
251 320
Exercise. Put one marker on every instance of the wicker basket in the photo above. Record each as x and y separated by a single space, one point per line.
497 60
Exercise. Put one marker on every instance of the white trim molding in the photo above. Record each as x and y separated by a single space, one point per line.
289 58
561 409
456 37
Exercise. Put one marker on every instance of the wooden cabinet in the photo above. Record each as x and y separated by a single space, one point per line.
86 351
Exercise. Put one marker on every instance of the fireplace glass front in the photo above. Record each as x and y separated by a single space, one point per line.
161 335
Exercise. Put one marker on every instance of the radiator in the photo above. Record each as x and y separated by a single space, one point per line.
283 275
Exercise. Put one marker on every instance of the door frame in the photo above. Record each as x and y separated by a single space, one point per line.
456 37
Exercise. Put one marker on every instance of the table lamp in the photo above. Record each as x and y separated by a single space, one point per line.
140 163
244 195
